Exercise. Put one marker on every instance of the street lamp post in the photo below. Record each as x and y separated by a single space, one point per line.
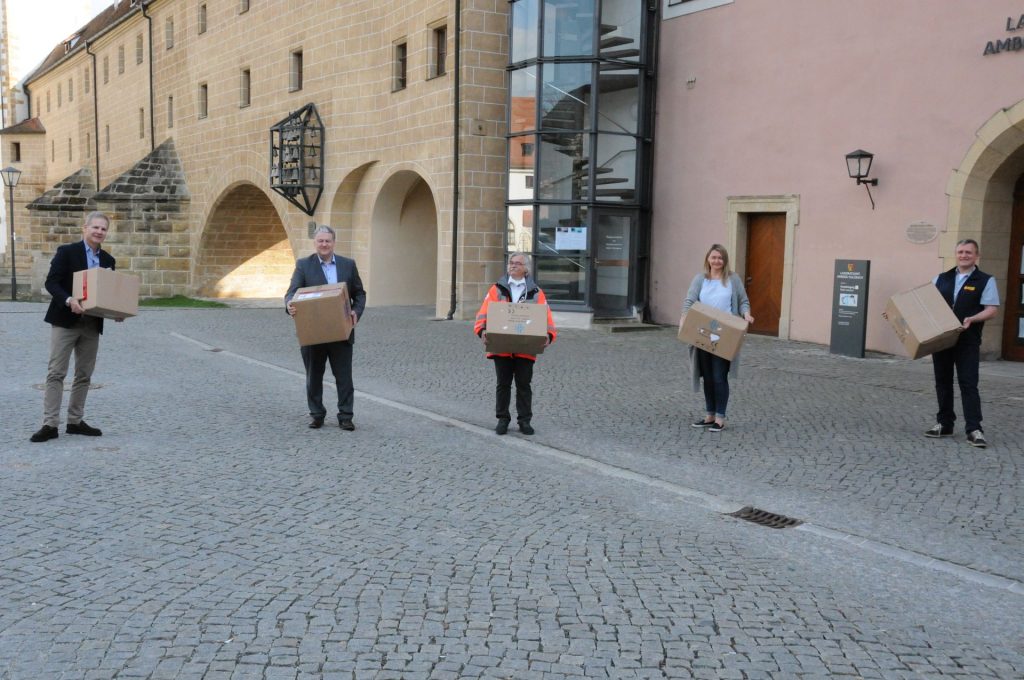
11 175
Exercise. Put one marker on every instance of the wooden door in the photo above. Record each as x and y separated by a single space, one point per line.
766 242
1013 319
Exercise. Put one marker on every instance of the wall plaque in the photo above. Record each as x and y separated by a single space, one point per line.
921 232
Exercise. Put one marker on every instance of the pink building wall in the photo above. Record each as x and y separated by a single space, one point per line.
781 91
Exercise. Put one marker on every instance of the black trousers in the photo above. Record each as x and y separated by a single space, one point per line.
315 358
521 370
964 357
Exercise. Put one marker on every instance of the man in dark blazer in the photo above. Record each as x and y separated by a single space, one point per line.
72 331
320 268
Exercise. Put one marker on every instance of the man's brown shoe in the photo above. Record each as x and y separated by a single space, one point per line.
83 428
347 425
45 433
316 423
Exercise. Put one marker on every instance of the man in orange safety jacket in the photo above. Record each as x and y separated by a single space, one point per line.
517 286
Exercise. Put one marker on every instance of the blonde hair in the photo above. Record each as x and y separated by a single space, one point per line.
726 272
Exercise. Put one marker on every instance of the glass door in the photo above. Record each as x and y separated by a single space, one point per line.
613 262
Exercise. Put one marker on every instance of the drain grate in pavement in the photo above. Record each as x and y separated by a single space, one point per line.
765 518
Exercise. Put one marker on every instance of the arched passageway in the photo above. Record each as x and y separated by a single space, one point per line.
403 243
244 251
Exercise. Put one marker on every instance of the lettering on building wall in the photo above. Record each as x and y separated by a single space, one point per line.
1010 44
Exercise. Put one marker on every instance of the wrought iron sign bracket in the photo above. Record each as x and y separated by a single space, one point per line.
297 158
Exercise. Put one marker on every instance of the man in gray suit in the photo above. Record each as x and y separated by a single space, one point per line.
320 268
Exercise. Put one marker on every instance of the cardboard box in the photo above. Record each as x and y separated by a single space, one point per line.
923 321
713 330
106 293
517 328
322 314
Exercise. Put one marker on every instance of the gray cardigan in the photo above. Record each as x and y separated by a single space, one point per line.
740 305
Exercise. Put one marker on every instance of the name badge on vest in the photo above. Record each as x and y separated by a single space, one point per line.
971 288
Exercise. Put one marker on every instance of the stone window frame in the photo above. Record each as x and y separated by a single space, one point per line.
296 66
400 65
170 111
203 101
244 87
120 59
139 52
438 49
169 32
201 18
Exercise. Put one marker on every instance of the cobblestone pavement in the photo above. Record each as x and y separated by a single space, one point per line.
210 534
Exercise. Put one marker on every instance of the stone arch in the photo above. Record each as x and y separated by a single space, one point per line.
403 241
980 194
343 214
244 251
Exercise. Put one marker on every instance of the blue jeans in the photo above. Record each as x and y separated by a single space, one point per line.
715 372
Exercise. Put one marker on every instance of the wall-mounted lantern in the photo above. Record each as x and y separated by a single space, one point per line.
297 158
858 164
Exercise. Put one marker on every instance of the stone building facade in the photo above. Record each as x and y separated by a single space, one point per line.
159 112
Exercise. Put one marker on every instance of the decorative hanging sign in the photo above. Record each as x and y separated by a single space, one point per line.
297 158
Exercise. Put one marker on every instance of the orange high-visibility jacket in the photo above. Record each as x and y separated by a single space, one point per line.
499 292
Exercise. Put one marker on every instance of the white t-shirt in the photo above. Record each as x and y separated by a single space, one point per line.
517 289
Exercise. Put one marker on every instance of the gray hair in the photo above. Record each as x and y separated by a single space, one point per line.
94 215
526 258
324 229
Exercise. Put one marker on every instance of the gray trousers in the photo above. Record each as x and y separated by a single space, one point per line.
84 341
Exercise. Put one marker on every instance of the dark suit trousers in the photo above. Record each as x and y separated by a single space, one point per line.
315 358
521 370
964 356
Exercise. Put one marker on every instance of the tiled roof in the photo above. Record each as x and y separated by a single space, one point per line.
30 126
76 41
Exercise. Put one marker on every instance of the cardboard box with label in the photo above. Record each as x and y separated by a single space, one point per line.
106 293
713 330
516 327
923 321
322 314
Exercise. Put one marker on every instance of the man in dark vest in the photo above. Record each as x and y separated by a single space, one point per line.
973 296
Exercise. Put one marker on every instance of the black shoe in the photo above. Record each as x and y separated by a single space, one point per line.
702 423
502 426
525 427
45 433
977 438
316 423
346 425
83 428
716 426
940 431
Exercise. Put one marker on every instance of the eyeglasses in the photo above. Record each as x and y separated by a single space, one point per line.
516 264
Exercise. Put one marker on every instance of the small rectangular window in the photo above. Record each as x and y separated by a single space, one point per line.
440 51
142 123
60 99
203 100
53 151
106 143
202 18
400 66
88 145
85 81
170 112
120 59
295 71
138 48
69 150
243 88
169 32
47 101
16 152
106 70
71 90
243 6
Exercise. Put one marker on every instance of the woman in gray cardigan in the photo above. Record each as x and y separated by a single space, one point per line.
721 288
